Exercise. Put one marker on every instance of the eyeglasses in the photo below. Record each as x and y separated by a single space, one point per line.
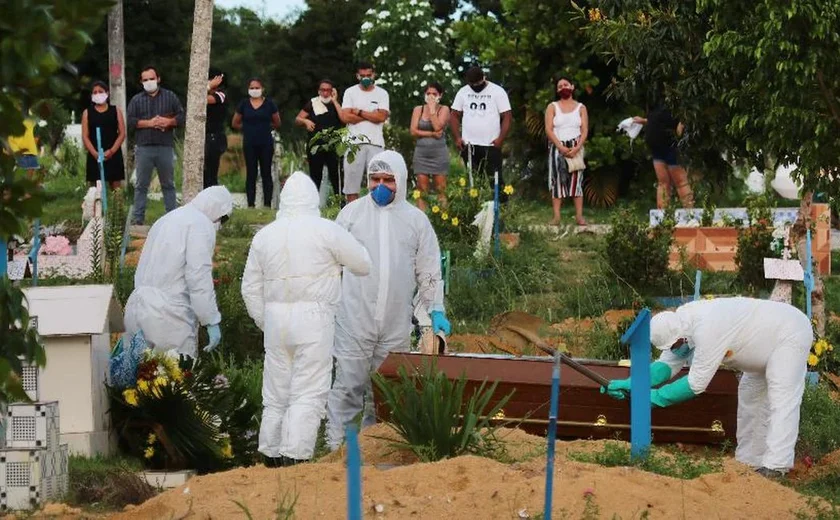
325 90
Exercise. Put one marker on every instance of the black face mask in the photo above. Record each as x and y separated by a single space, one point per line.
479 87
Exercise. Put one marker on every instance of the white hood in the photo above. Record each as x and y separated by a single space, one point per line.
665 329
215 202
299 197
391 162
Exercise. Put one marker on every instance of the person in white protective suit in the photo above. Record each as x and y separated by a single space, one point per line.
374 316
768 341
173 286
291 288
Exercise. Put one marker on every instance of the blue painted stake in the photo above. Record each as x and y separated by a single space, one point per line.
4 258
697 277
354 474
638 336
808 279
552 437
101 160
496 213
36 247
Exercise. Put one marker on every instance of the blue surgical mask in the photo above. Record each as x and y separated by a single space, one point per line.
682 351
382 195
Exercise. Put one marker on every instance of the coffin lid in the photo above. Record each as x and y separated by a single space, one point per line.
75 310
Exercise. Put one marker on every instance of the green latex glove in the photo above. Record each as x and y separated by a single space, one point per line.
669 395
620 388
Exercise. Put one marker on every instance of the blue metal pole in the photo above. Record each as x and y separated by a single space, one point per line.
638 336
552 437
809 274
496 212
697 276
354 474
101 160
4 258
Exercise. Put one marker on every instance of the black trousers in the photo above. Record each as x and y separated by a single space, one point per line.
214 146
317 161
486 160
258 156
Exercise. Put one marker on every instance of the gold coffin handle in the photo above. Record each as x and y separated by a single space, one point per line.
715 429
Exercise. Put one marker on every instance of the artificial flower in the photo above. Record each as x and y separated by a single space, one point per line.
160 381
130 396
455 221
435 209
143 386
227 450
508 190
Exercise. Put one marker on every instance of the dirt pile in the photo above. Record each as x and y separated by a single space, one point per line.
473 487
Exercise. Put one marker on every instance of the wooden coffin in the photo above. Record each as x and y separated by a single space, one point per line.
584 412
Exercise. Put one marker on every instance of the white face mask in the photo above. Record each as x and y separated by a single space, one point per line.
150 85
99 98
432 97
325 100
255 92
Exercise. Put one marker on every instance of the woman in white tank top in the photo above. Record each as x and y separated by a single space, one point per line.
567 126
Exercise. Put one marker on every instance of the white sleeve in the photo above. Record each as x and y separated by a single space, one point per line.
502 101
427 269
347 99
385 102
252 287
348 252
198 274
710 347
458 102
672 360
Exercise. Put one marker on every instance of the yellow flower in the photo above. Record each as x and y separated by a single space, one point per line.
455 221
473 193
415 194
820 347
227 451
445 216
130 396
435 209
143 386
160 381
508 190
813 360
176 374
462 182
149 452
151 439
499 415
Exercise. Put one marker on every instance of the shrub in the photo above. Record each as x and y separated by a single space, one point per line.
636 253
435 417
819 424
112 483
755 243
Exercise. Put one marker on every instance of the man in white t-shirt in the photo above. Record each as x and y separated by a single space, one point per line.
480 122
365 108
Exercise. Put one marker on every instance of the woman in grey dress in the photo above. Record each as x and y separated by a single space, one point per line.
431 156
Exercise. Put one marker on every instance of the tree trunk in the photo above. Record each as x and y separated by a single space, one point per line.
116 68
798 237
197 99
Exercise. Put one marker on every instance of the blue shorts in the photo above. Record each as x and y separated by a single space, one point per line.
669 156
28 162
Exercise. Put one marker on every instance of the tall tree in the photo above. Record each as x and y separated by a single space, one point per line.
197 99
116 61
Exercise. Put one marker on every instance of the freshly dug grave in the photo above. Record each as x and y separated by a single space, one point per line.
473 487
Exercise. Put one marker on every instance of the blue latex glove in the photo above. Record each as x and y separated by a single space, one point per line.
215 335
440 323
617 389
669 395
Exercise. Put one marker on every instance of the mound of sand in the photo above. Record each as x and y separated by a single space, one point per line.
472 487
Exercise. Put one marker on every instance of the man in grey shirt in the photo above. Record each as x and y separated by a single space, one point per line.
154 114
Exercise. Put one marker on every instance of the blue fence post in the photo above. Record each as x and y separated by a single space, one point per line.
354 474
808 279
552 437
697 276
4 258
496 213
100 158
638 336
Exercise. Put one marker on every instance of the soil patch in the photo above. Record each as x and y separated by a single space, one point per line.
473 487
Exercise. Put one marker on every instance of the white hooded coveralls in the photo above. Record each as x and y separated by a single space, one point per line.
173 286
769 342
291 287
374 317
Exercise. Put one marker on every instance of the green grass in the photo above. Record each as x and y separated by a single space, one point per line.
106 484
819 428
677 465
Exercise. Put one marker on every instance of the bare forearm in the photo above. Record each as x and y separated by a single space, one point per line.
506 118
377 116
455 125
350 117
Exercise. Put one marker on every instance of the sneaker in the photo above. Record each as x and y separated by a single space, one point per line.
770 473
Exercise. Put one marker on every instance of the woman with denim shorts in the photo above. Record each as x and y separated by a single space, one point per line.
661 136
